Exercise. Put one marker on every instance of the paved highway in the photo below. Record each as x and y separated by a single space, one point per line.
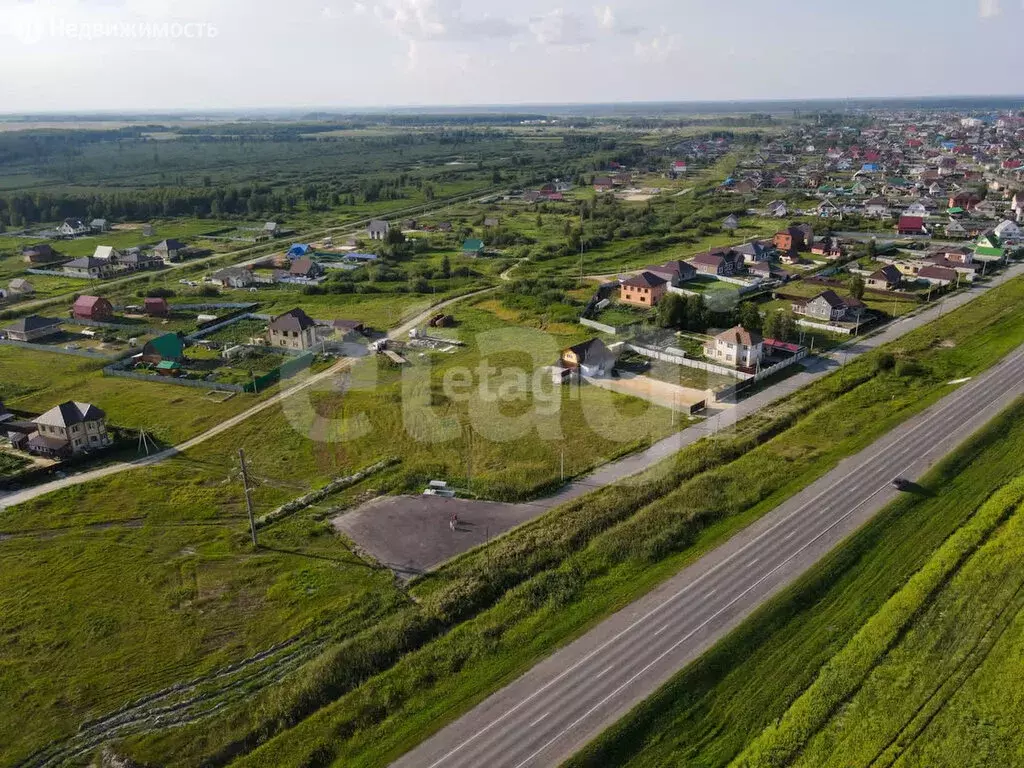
565 701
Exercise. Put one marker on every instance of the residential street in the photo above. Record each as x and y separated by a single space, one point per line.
568 699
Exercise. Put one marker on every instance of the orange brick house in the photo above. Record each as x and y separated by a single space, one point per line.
643 290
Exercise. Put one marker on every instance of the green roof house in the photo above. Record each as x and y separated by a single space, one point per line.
169 347
473 246
168 368
988 247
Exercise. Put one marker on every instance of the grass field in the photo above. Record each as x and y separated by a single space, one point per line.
162 577
37 381
537 588
886 653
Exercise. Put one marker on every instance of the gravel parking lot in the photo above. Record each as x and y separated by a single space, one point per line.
412 534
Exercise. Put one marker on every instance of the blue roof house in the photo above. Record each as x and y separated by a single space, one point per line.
299 250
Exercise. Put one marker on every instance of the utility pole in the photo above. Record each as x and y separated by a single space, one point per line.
469 457
248 496
563 465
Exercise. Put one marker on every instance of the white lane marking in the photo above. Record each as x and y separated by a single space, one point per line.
694 631
790 535
539 720
662 629
963 393
709 593
604 671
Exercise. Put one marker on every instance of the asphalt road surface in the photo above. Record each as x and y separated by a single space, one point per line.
560 705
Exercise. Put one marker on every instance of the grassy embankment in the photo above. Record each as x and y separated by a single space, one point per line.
533 590
895 649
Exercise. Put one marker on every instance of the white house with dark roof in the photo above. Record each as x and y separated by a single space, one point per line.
293 330
32 328
67 430
736 347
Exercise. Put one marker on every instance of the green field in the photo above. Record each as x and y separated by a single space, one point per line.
511 603
895 650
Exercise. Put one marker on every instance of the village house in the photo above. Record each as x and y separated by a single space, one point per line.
829 307
106 253
167 348
156 307
940 276
829 247
94 308
720 263
134 259
643 290
378 229
876 207
736 347
1008 232
88 267
755 251
676 272
911 225
271 229
233 277
306 268
588 358
20 287
765 270
795 239
169 250
73 228
298 250
66 430
730 222
294 330
40 253
888 278
777 209
99 225
32 328
603 184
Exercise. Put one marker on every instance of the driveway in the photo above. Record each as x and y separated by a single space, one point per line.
655 391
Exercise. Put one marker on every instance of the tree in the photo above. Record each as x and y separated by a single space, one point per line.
750 317
672 311
696 314
779 324
446 266
857 287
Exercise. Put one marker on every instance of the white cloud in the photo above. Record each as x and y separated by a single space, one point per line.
440 20
988 9
609 22
559 27
657 48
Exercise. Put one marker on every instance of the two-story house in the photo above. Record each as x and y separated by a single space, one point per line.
643 290
378 229
67 430
736 347
292 330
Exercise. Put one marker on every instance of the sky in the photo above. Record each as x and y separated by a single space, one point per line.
80 55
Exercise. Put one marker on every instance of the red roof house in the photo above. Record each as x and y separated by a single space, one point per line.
911 225
92 308
155 307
